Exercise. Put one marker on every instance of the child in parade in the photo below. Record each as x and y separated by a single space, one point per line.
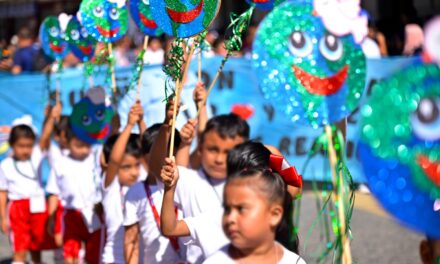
142 213
200 191
122 171
75 180
20 183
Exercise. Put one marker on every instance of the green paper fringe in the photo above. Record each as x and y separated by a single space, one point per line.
138 68
327 218
173 69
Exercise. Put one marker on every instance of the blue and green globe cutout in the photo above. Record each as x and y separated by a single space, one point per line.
400 149
310 75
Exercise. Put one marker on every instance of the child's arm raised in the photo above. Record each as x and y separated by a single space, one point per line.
159 148
187 134
118 150
53 116
3 211
169 224
200 97
131 244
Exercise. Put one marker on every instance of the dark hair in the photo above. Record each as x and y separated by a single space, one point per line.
108 146
20 131
61 125
247 155
251 159
25 33
150 135
132 148
227 126
148 138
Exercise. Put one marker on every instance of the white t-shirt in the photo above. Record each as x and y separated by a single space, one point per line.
196 194
113 203
223 257
203 228
21 178
157 248
78 185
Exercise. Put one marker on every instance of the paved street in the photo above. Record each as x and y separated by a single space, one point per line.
377 238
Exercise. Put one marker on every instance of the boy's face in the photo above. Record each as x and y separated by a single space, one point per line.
214 151
23 148
129 170
79 149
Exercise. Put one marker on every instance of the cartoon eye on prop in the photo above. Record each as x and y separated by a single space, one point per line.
99 114
114 14
54 32
74 34
300 44
426 119
331 47
86 120
98 11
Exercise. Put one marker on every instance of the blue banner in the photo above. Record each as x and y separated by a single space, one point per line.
236 90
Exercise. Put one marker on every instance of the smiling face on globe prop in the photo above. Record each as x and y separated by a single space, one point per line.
52 38
400 149
141 13
184 18
80 42
90 119
105 20
314 77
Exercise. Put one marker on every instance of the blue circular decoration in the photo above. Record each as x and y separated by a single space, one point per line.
312 76
80 42
90 119
52 38
400 150
141 13
184 18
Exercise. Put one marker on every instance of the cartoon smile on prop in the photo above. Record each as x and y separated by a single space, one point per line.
80 42
52 38
184 18
315 77
106 21
90 118
400 148
141 13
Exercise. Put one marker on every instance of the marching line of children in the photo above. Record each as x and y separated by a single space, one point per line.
223 203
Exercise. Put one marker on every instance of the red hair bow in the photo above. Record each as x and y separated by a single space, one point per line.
289 173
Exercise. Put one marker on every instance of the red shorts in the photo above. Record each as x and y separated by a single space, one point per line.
75 232
28 230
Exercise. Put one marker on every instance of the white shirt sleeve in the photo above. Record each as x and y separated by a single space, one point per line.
203 228
131 216
3 181
52 183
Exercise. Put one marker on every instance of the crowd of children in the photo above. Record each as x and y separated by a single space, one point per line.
127 201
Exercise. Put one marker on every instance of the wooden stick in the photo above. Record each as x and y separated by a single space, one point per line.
179 85
112 70
199 60
217 75
338 196
138 96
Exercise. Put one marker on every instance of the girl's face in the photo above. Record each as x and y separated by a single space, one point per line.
129 170
249 219
23 148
